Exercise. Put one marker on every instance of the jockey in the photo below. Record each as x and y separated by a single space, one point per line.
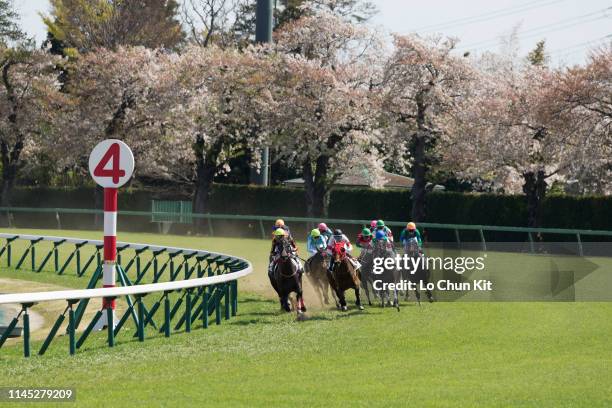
380 236
373 226
277 248
411 231
338 237
281 224
316 242
364 239
380 226
325 231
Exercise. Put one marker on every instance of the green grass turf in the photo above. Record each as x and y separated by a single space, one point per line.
442 354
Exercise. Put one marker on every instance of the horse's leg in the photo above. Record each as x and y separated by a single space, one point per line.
357 298
427 291
284 300
364 284
300 293
418 296
342 298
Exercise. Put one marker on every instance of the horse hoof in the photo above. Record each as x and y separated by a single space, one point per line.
303 309
344 308
431 300
361 307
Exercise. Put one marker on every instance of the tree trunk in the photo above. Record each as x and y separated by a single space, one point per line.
316 188
535 190
10 166
205 173
420 158
418 189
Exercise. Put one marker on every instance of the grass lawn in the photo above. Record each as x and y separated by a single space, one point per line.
442 354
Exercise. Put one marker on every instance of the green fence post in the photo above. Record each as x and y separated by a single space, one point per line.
109 324
205 307
262 229
580 250
8 254
140 327
167 314
234 297
218 305
457 237
71 330
33 254
227 301
26 329
188 310
531 246
78 261
55 258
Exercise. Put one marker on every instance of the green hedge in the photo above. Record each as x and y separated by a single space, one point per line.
456 208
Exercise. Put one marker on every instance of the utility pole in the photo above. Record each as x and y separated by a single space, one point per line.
263 34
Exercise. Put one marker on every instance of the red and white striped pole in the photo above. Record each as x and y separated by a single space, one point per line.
110 242
111 164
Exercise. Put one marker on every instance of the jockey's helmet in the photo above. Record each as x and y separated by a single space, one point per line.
338 233
373 224
366 232
279 232
322 227
279 223
380 234
411 226
315 233
380 224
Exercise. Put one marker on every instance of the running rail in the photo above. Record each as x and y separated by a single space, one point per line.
213 289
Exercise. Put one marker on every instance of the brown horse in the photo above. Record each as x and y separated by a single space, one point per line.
316 270
343 276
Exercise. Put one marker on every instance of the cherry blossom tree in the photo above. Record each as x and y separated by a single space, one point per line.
325 119
424 87
116 95
29 98
512 132
220 98
583 95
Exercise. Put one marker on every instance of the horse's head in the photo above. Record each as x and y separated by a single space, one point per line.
339 251
412 247
286 249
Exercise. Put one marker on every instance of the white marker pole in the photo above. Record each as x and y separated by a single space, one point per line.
111 165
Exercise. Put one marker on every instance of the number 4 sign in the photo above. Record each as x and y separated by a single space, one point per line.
111 163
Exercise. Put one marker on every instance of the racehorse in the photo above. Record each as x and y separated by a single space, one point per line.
286 277
316 269
388 275
366 259
343 276
421 274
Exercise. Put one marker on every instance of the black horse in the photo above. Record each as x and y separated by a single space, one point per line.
420 276
286 277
